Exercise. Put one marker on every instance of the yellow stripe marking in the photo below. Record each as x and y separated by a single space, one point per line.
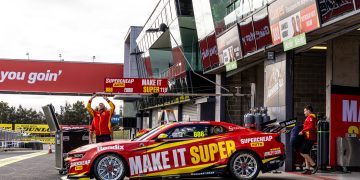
270 159
170 145
10 160
150 146
220 166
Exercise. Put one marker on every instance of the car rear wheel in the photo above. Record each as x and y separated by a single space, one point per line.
109 167
244 165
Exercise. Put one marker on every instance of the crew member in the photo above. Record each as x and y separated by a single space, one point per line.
309 133
101 123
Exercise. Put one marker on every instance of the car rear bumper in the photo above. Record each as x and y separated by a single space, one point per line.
273 163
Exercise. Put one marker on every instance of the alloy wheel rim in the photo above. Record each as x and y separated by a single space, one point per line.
110 168
245 166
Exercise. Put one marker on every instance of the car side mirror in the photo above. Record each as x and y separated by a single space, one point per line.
161 137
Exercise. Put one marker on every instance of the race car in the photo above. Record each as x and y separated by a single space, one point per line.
181 149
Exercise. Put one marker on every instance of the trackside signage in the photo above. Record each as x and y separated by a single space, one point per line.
289 18
345 115
33 128
55 77
135 85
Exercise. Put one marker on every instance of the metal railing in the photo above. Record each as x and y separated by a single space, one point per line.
11 139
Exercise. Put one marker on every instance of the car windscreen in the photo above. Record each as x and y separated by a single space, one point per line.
148 134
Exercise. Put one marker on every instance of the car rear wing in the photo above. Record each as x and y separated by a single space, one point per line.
273 126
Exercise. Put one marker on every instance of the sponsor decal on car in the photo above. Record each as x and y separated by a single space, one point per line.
80 163
256 139
78 168
160 161
272 152
234 128
115 147
199 133
203 173
257 144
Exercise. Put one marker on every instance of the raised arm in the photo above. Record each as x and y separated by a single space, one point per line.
112 106
88 106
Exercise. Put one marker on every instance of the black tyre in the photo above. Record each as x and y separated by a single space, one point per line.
109 167
62 172
244 165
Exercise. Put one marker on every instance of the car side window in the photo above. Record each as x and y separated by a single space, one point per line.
188 131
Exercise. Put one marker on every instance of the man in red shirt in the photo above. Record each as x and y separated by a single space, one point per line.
101 123
309 132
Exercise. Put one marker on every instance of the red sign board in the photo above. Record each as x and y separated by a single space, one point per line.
262 29
136 85
55 77
205 54
208 48
214 58
345 115
247 36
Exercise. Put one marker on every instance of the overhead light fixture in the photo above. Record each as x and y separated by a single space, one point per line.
358 29
319 47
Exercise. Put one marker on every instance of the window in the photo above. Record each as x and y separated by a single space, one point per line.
188 131
184 8
237 4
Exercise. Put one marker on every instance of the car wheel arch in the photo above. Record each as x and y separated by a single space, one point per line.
127 172
244 150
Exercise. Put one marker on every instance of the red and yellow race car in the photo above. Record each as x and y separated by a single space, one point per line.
180 150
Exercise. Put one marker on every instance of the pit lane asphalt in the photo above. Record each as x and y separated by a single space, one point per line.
43 168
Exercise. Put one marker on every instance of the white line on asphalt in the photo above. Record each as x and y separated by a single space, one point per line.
10 160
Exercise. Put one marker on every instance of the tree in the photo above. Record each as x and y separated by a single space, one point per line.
6 112
20 115
75 114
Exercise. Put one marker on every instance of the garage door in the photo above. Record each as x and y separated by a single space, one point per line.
190 112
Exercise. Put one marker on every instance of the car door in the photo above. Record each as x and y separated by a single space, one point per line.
170 155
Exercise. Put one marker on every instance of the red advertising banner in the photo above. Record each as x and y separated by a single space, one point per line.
205 54
208 49
345 115
330 9
135 85
55 77
262 29
247 36
289 18
214 58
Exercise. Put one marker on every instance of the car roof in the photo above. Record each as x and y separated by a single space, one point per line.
205 122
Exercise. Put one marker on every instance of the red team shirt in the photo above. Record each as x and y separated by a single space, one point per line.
310 128
101 123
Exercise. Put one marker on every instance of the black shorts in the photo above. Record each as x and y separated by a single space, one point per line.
103 138
306 146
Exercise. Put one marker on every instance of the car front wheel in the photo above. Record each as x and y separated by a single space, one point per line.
244 165
109 167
